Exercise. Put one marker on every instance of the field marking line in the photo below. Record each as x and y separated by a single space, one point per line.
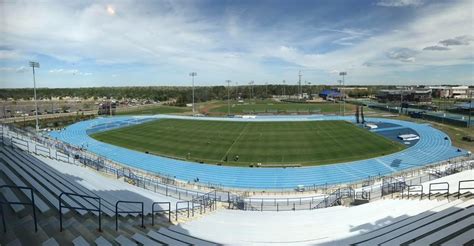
329 135
238 137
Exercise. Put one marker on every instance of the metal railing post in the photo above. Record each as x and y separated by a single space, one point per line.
140 212
3 218
461 188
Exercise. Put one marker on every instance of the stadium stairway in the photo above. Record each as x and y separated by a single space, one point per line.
80 227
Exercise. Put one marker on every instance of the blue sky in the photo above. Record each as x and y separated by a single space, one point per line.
125 43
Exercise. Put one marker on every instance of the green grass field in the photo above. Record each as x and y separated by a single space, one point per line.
304 143
268 106
155 110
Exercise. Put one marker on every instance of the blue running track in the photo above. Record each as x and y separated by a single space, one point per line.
433 146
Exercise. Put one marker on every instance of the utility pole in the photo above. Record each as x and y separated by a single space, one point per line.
343 74
193 74
310 88
236 90
470 107
340 86
284 86
299 85
401 100
228 97
251 89
266 89
37 65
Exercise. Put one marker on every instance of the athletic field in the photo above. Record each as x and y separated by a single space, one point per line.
269 106
155 110
249 143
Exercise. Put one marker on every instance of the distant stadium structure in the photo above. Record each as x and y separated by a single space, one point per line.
420 95
330 94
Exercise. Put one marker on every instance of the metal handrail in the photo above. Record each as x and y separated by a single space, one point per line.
42 149
177 203
193 206
467 188
96 209
153 211
410 190
20 142
32 204
442 189
140 212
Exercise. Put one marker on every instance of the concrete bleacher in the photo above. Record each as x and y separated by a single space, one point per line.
49 178
386 222
434 146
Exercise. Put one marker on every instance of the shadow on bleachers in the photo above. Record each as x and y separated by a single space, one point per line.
378 224
429 227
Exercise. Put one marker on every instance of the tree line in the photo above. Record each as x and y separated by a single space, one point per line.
180 93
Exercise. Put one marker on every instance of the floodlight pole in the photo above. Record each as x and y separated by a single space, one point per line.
470 107
236 90
401 101
343 74
266 89
310 88
300 92
228 97
193 74
284 86
33 65
340 86
251 90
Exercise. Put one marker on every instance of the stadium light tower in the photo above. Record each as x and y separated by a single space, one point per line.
251 89
33 65
470 108
300 92
340 86
193 74
284 87
266 89
228 96
310 88
236 90
343 74
401 100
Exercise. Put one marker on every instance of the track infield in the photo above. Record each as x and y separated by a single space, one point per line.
248 143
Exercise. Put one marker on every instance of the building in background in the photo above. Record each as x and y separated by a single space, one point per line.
457 92
418 95
330 95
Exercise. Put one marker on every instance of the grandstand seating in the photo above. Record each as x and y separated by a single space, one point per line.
432 147
50 178
388 222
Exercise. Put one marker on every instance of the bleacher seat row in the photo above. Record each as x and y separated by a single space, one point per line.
49 178
382 222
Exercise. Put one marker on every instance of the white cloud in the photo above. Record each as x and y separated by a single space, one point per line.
10 55
21 69
403 54
174 38
69 71
461 40
399 3
436 47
